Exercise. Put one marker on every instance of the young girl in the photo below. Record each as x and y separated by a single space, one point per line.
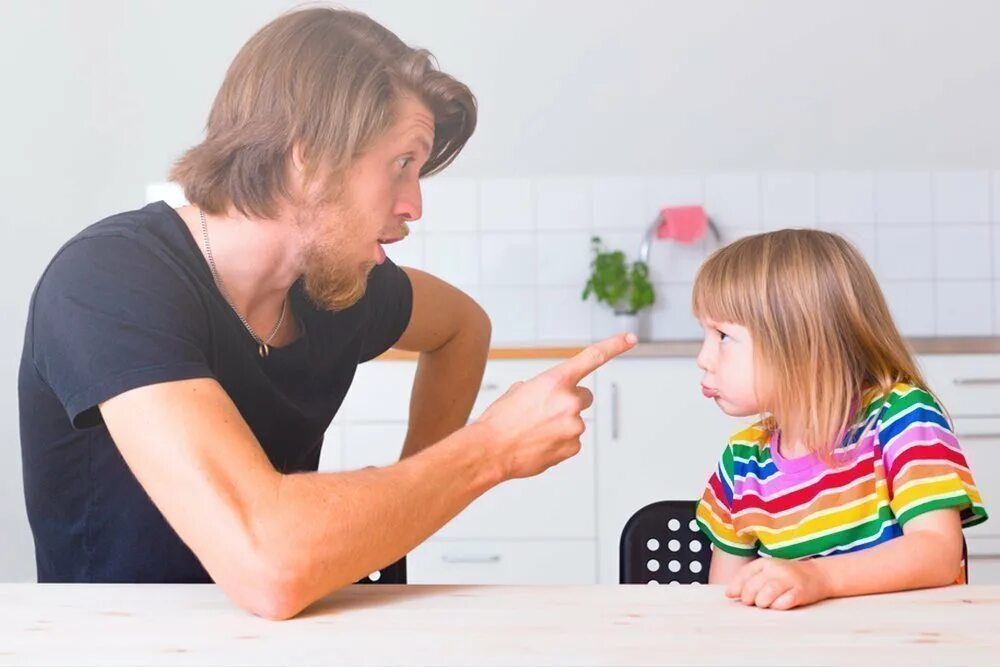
852 481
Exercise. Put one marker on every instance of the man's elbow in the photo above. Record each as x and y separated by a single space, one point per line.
269 584
478 321
265 591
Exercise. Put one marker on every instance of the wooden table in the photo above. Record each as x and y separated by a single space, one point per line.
493 625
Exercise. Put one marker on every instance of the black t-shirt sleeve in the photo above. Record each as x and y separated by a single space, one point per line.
390 303
110 315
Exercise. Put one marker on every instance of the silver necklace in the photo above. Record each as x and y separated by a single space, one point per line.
263 345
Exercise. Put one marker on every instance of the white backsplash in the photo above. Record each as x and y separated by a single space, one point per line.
521 246
930 237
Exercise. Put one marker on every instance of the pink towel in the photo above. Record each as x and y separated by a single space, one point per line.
685 224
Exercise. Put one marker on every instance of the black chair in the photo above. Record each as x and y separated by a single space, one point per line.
662 544
965 559
391 574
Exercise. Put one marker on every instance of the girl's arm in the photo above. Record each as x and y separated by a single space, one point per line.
928 554
725 566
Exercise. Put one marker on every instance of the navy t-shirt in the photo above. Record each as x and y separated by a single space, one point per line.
130 302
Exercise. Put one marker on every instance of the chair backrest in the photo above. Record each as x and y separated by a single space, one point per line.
965 560
391 574
661 543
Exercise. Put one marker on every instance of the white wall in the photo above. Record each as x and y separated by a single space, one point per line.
99 97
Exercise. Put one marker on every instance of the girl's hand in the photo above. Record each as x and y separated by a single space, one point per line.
779 584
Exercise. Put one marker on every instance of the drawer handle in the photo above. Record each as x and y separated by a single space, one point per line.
976 381
489 386
483 558
614 412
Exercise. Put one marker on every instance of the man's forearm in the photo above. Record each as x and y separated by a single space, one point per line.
445 387
328 530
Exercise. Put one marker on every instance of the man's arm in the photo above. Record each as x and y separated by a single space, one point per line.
452 333
275 543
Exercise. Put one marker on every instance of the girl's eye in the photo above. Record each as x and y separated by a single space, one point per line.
403 162
722 335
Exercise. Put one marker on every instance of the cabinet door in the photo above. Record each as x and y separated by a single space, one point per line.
521 562
967 384
658 438
969 388
558 504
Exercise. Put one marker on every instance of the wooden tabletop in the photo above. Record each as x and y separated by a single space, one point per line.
493 625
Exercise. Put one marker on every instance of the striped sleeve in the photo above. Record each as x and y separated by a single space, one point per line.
924 466
714 512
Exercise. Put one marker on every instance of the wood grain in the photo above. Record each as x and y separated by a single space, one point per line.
57 624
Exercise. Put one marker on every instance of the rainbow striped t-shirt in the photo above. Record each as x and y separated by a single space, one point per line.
899 460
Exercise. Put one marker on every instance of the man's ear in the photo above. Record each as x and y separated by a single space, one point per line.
298 160
295 173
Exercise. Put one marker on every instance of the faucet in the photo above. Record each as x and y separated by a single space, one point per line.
653 231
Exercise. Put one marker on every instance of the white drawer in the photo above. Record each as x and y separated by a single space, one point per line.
380 392
501 374
984 570
967 384
499 562
381 389
371 444
331 458
983 546
559 503
979 439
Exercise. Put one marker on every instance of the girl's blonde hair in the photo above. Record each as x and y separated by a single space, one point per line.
821 329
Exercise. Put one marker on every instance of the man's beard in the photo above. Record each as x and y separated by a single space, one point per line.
332 280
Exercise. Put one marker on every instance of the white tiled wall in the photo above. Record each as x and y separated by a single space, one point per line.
522 247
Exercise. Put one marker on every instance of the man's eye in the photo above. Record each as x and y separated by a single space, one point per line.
403 162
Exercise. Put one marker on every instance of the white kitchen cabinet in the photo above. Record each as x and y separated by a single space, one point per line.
558 504
524 531
658 438
651 436
969 388
503 562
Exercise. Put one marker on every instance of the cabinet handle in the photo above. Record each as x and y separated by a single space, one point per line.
614 411
976 381
482 558
489 386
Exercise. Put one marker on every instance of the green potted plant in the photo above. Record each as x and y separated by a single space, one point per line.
622 285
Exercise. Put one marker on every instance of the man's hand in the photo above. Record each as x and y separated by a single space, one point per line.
536 424
771 583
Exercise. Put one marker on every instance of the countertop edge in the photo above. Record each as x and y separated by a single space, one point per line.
689 348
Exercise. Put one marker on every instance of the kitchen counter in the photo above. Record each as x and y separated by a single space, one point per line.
58 624
689 348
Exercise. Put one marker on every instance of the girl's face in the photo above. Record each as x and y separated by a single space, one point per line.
726 356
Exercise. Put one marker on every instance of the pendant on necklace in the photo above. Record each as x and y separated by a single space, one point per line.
263 350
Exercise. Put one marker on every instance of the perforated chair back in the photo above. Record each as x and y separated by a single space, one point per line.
661 543
392 574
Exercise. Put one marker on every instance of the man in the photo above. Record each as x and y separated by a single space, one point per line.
181 366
